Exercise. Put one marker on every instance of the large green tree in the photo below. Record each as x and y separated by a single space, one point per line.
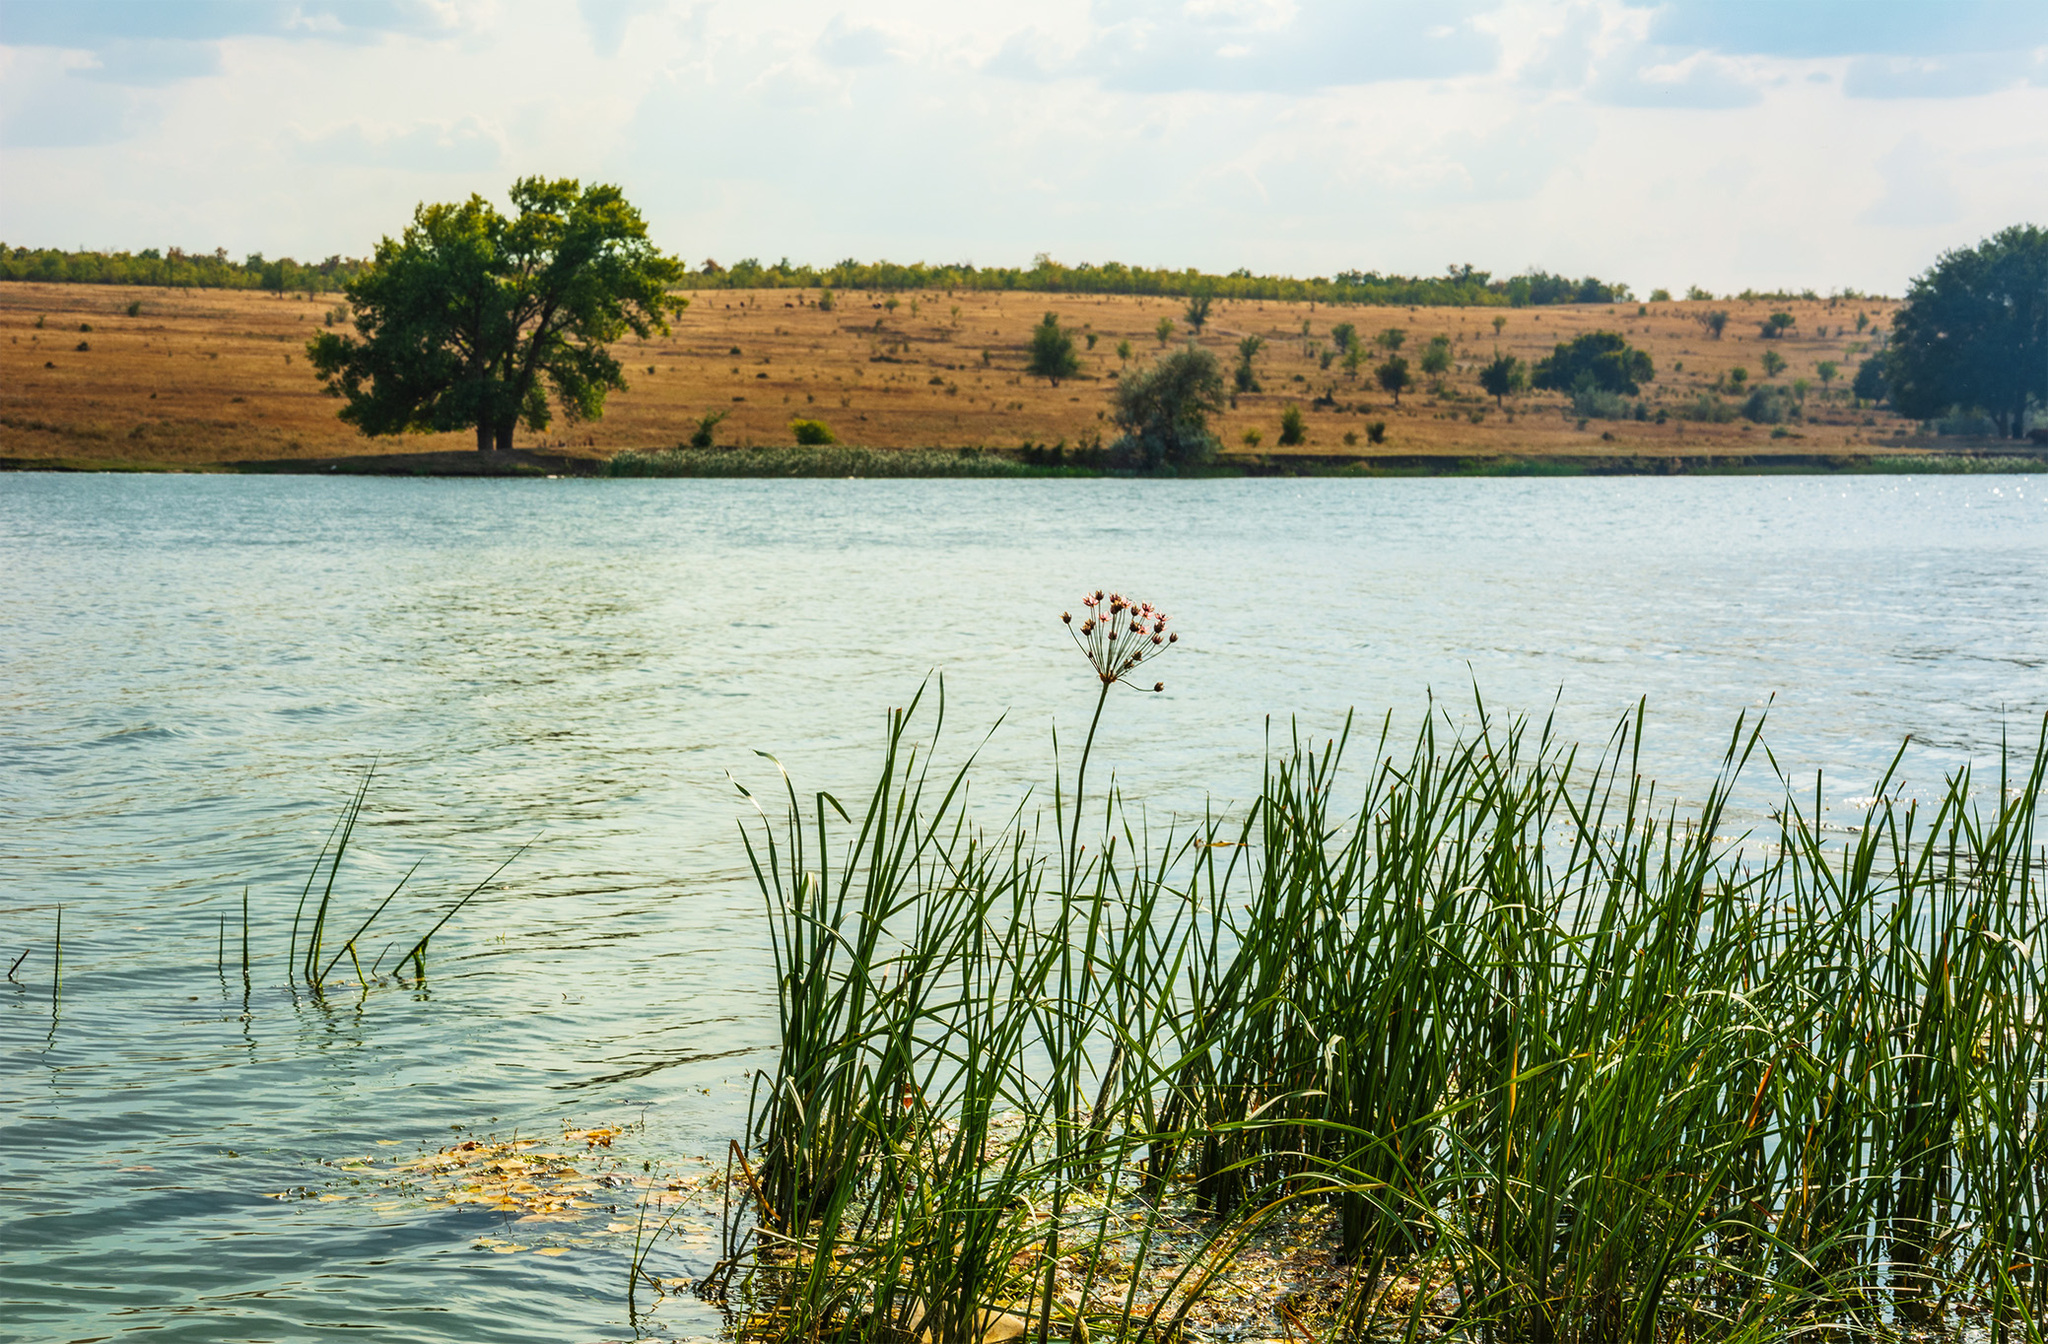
1164 410
472 318
1601 359
1973 332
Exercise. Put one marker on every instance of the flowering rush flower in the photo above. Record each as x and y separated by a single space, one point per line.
1117 635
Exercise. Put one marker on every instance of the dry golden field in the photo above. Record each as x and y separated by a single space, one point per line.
204 378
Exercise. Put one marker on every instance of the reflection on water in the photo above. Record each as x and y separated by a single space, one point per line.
196 671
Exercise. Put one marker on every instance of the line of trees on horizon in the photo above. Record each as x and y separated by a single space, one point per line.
1462 285
1458 286
175 268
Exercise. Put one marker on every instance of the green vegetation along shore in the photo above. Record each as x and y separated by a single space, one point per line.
843 461
1510 1045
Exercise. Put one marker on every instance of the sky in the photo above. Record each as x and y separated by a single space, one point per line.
1821 144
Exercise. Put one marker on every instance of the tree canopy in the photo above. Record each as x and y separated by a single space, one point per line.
1052 352
1503 377
471 318
1599 359
1393 376
1973 332
1164 409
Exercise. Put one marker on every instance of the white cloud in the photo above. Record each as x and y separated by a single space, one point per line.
1659 145
1965 76
1919 188
467 145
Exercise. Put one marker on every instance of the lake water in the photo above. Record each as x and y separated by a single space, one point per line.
196 671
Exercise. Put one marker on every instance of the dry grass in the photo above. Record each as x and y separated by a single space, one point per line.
206 377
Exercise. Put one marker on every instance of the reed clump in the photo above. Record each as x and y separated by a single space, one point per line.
1521 1050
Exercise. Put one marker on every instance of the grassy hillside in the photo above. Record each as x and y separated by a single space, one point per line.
197 378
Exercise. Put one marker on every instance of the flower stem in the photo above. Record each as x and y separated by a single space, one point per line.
1080 774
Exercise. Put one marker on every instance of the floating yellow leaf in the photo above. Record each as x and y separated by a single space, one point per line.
551 1250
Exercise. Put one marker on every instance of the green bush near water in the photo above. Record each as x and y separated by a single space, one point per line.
812 433
819 460
1584 1064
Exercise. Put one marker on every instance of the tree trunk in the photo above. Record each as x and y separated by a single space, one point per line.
483 435
505 436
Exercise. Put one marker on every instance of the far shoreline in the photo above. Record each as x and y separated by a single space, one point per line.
840 462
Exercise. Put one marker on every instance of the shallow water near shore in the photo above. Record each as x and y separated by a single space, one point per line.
196 671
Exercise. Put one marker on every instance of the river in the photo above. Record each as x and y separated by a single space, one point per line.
197 671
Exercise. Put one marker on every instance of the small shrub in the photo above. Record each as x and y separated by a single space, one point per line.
1252 438
1707 408
1592 402
85 345
1350 438
1436 357
811 433
85 326
40 321
707 427
135 308
825 301
1375 431
1247 350
1774 363
1660 296
1293 428
1776 325
1767 406
1052 352
1164 330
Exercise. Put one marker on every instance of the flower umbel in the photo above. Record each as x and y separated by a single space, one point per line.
1117 635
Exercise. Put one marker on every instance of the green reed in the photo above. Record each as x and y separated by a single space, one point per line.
1568 1052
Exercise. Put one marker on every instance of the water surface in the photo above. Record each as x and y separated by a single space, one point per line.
195 671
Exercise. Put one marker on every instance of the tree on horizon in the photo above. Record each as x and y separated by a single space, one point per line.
470 319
